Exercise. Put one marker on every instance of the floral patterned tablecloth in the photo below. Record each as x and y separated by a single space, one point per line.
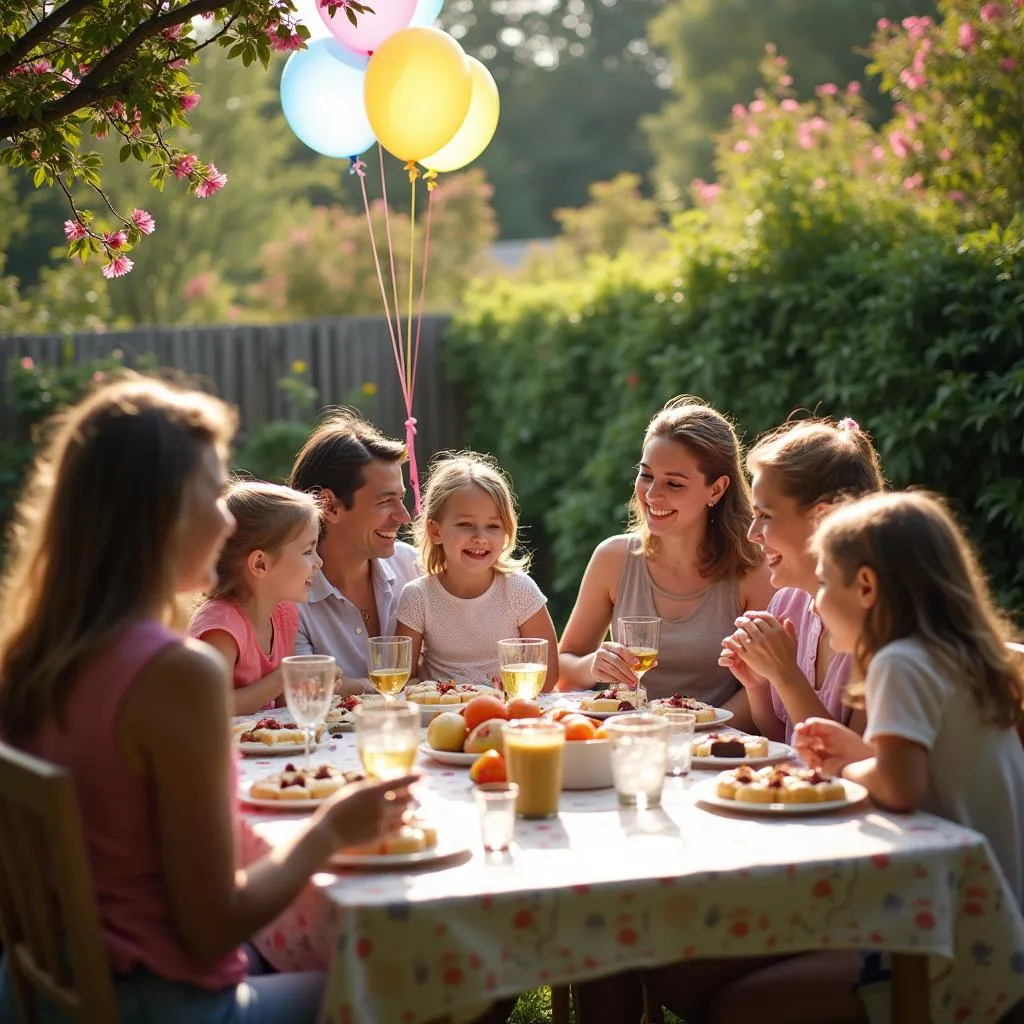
602 888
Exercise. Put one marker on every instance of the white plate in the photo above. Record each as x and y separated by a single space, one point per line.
776 752
275 749
384 861
601 715
721 716
244 789
705 792
456 757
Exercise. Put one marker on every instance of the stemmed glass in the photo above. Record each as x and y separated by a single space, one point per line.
308 690
524 667
641 634
389 664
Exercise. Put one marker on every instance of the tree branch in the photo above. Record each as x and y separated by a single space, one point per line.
41 31
91 88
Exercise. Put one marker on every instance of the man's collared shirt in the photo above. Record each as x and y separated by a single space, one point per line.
331 624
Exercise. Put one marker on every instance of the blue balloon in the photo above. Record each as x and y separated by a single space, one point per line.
426 13
322 99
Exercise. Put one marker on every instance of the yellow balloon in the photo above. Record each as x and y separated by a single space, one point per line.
477 129
417 92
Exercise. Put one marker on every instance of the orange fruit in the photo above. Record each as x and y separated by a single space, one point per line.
521 708
577 727
482 709
557 714
489 767
601 734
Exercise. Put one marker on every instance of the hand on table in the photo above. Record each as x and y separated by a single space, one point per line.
828 745
612 663
766 646
352 687
366 811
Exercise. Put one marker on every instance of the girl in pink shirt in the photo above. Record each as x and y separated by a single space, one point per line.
783 657
124 512
265 567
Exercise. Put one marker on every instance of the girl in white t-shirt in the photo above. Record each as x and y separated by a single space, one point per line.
475 591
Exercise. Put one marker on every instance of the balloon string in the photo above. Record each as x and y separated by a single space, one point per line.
431 179
412 261
359 168
391 251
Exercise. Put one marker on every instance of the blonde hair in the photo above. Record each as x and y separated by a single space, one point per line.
930 586
711 439
454 471
818 460
267 516
94 534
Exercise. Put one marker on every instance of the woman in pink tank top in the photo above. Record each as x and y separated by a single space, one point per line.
686 560
125 510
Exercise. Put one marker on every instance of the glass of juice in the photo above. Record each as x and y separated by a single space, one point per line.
524 667
533 761
308 689
640 634
389 664
639 750
387 735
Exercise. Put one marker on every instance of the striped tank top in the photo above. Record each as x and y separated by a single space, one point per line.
689 648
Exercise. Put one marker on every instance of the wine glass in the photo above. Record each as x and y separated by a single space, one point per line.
389 664
524 667
308 690
640 635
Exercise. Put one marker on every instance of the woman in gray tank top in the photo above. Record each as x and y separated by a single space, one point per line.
685 559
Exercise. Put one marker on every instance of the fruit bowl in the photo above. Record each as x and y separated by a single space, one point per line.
587 764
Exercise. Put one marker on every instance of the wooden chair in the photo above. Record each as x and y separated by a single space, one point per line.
49 921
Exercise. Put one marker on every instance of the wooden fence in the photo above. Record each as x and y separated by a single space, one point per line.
245 364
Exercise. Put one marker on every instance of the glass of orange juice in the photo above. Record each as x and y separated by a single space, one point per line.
533 761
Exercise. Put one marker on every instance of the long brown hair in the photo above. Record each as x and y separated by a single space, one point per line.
267 516
817 460
93 535
930 586
711 439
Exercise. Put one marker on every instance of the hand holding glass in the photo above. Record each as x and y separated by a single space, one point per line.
389 664
308 690
387 735
641 635
524 667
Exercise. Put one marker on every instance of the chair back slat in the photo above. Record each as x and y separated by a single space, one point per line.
49 920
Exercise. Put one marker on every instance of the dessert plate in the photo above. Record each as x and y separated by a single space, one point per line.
776 752
706 793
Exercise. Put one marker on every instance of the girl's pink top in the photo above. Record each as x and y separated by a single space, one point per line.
119 817
229 617
798 606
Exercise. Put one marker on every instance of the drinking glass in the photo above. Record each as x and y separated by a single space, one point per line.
639 753
308 690
389 664
681 725
641 634
524 667
496 804
534 748
387 735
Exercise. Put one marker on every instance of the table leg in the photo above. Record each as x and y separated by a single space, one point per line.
560 1004
910 988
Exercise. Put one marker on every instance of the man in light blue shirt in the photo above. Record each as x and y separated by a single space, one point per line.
357 473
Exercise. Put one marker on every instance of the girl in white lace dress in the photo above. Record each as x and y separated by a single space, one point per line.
475 591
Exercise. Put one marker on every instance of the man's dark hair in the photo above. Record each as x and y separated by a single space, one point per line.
336 452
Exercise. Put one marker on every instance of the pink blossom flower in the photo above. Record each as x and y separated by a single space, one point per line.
40 67
828 89
916 27
966 36
819 184
118 267
709 193
74 230
899 144
27 363
174 32
993 12
956 196
35 154
184 166
283 44
199 287
912 80
758 107
116 109
213 181
177 65
914 181
741 147
69 76
786 80
853 89
878 152
883 24
789 104
188 101
739 111
143 221
115 239
752 130
1008 64
945 154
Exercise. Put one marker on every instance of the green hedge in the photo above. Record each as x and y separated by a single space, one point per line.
849 312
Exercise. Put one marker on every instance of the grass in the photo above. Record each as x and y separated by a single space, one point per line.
534 1007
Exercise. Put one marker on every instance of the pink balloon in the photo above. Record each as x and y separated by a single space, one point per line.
370 30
